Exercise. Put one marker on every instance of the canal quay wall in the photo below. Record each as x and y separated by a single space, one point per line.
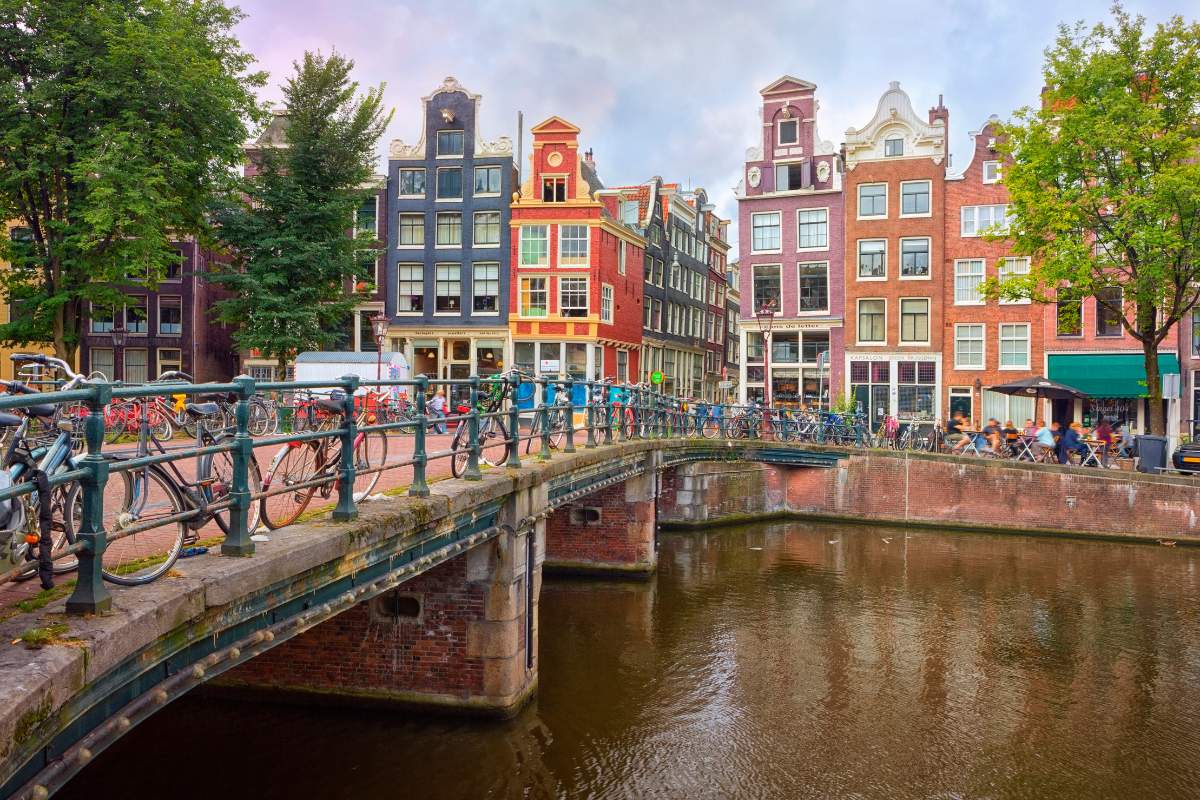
608 532
931 490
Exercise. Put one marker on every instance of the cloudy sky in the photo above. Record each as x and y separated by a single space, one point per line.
671 88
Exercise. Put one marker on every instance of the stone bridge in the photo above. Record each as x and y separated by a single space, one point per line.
434 601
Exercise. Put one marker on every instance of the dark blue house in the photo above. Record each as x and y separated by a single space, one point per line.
448 241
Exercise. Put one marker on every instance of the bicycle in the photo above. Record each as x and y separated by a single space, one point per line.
493 434
553 419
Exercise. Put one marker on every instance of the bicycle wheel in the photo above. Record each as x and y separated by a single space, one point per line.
259 423
116 420
295 462
145 496
63 526
711 428
558 429
160 422
369 453
493 442
215 477
460 446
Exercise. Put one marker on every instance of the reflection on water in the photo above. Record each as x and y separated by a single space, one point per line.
774 661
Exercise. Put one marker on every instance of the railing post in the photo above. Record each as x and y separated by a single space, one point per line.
419 487
514 425
723 414
569 422
346 509
543 385
821 427
608 413
627 413
91 595
237 541
591 413
472 473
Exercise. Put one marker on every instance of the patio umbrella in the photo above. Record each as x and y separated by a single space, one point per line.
1038 388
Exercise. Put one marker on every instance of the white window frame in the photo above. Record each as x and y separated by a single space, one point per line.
499 170
475 227
858 323
520 293
779 133
828 289
437 198
587 295
545 258
173 300
424 178
857 252
475 280
858 201
753 287
577 261
437 143
400 227
1003 273
928 322
437 280
1000 339
928 276
928 193
606 303
823 248
958 262
975 226
420 270
995 167
982 327
621 245
778 228
437 225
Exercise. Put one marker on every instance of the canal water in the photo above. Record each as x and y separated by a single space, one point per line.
784 660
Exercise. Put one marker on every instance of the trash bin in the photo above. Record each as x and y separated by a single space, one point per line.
1151 452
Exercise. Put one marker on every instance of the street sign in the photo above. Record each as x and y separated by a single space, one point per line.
822 359
548 365
656 377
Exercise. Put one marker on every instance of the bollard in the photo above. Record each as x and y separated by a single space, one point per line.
91 595
419 487
237 542
514 425
472 473
591 413
346 509
569 411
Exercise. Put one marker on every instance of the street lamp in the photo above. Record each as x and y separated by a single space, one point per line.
379 324
765 317
118 341
979 391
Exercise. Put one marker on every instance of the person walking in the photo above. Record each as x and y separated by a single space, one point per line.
437 410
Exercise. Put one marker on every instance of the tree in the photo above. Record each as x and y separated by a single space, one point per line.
287 231
118 121
1104 179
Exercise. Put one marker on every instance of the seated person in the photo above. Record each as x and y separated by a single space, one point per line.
1071 442
1010 435
991 435
954 436
1044 438
1030 429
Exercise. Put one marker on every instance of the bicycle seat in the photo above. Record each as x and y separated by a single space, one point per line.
202 409
43 410
334 406
9 420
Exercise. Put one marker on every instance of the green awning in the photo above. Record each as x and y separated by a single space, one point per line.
1107 374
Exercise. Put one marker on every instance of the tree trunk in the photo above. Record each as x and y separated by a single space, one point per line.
1158 425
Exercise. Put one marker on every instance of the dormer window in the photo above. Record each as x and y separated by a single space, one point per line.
450 143
789 131
893 146
554 190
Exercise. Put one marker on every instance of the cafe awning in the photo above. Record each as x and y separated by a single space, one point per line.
1107 374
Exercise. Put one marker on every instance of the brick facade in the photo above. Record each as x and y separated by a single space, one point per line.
609 531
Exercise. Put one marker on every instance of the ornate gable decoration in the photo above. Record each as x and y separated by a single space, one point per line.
788 85
450 84
895 114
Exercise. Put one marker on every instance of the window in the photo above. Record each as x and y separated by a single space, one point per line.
1069 313
968 347
647 313
656 317
1014 346
812 229
412 230
871 321
893 146
449 229
813 286
410 288
872 254
815 343
450 143
485 288
102 362
412 183
606 303
914 258
968 278
535 245
766 286
554 190
170 316
447 288
449 183
1108 321
136 317
658 272
914 198
1010 267
790 177
572 245
487 228
764 232
914 320
789 131
487 180
136 365
621 257
872 200
991 171
915 384
175 267
785 348
365 218
533 299
674 283
169 358
629 212
101 320
979 219
622 365
573 297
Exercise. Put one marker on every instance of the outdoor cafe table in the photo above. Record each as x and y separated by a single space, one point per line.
1095 455
1024 448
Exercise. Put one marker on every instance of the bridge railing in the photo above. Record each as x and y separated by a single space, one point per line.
124 514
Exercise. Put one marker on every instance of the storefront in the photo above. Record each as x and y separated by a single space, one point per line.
453 355
796 379
896 385
1115 385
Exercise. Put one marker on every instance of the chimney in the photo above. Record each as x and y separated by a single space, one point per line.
941 112
587 159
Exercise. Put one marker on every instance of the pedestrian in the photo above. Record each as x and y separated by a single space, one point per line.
437 410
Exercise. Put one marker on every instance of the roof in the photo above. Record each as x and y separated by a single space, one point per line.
337 357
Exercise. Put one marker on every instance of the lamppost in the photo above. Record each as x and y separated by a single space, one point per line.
765 317
379 325
118 341
979 392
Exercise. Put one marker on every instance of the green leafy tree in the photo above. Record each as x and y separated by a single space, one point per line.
118 122
287 232
1104 179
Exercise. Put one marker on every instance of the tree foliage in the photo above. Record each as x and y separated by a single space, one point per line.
287 231
119 119
1104 179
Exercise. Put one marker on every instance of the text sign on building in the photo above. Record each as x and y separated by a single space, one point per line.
549 365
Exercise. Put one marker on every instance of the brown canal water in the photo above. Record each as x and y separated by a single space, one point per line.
772 661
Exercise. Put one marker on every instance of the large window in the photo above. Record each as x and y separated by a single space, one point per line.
101 319
893 146
812 229
573 245
448 288
914 320
412 183
872 200
968 278
1108 320
573 297
170 316
487 180
785 347
766 286
102 362
1014 346
872 258
365 219
449 229
535 245
790 177
764 232
606 303
871 319
968 346
812 286
136 318
789 131
815 343
410 288
629 212
412 230
136 365
449 183
1013 267
533 300
914 258
1069 313
976 220
169 358
914 198
915 385
554 190
487 228
450 143
485 287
